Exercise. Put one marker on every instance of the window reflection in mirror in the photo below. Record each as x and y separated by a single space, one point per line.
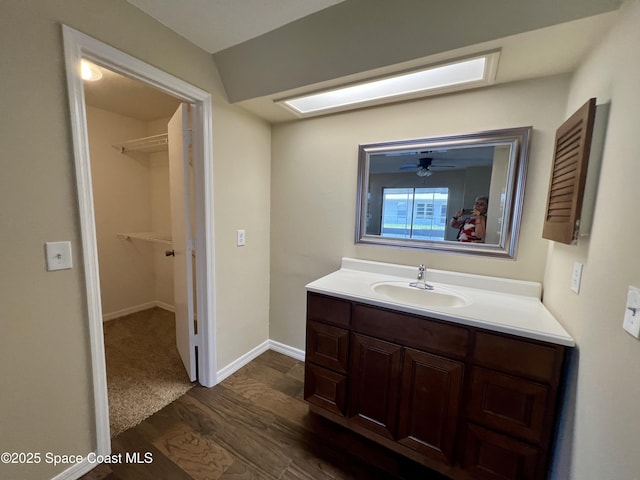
412 212
409 191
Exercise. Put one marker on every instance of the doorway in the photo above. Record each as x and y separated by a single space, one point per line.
141 250
78 46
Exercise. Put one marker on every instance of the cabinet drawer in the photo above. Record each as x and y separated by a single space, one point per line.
327 346
416 332
539 361
325 389
328 310
512 405
491 456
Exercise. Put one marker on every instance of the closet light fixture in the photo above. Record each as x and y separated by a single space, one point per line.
89 71
456 75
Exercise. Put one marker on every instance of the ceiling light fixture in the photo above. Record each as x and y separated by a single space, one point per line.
466 73
89 71
424 172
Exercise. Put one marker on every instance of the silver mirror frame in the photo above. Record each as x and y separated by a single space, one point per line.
518 138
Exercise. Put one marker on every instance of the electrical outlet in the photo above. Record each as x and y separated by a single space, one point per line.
631 321
576 277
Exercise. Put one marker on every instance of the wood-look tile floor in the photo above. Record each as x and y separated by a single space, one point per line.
253 425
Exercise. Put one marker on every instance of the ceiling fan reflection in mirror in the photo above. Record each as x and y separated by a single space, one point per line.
425 167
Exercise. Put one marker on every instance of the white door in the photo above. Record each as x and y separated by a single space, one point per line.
179 140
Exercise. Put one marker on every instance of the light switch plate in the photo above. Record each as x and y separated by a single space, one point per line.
576 277
58 255
241 238
631 321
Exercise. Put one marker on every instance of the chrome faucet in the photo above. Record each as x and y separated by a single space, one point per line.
422 279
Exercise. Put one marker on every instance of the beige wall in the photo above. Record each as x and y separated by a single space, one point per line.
242 202
314 167
46 401
128 196
600 428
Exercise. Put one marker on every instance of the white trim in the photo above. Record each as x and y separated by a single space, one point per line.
287 350
164 306
252 354
240 362
73 54
77 470
137 308
77 45
202 147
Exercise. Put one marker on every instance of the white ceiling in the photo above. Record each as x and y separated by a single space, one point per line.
131 98
214 25
536 53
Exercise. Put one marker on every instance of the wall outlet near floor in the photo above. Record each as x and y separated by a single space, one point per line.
631 321
576 277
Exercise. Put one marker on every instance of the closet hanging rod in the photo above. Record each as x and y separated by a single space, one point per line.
147 237
154 143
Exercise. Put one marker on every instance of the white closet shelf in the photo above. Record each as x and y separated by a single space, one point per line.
153 237
152 144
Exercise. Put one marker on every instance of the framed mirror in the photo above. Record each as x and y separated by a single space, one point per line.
422 193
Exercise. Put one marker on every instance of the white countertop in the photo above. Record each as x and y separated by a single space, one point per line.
493 303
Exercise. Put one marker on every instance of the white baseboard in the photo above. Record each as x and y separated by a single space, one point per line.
137 308
242 361
286 350
76 471
256 352
164 306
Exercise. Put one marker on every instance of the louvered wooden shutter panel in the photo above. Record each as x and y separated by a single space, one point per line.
568 175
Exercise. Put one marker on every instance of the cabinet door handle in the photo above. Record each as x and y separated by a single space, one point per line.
169 253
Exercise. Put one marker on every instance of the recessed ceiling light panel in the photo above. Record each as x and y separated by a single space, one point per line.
457 75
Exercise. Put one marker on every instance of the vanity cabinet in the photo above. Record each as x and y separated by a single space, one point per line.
467 402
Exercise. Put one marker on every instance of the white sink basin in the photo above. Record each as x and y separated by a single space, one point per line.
403 293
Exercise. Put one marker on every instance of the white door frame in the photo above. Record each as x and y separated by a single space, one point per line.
77 45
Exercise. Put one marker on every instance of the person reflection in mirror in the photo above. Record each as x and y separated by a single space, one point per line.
474 227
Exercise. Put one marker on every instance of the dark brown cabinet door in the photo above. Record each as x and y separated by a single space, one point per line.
429 405
491 456
374 384
327 346
325 388
510 404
